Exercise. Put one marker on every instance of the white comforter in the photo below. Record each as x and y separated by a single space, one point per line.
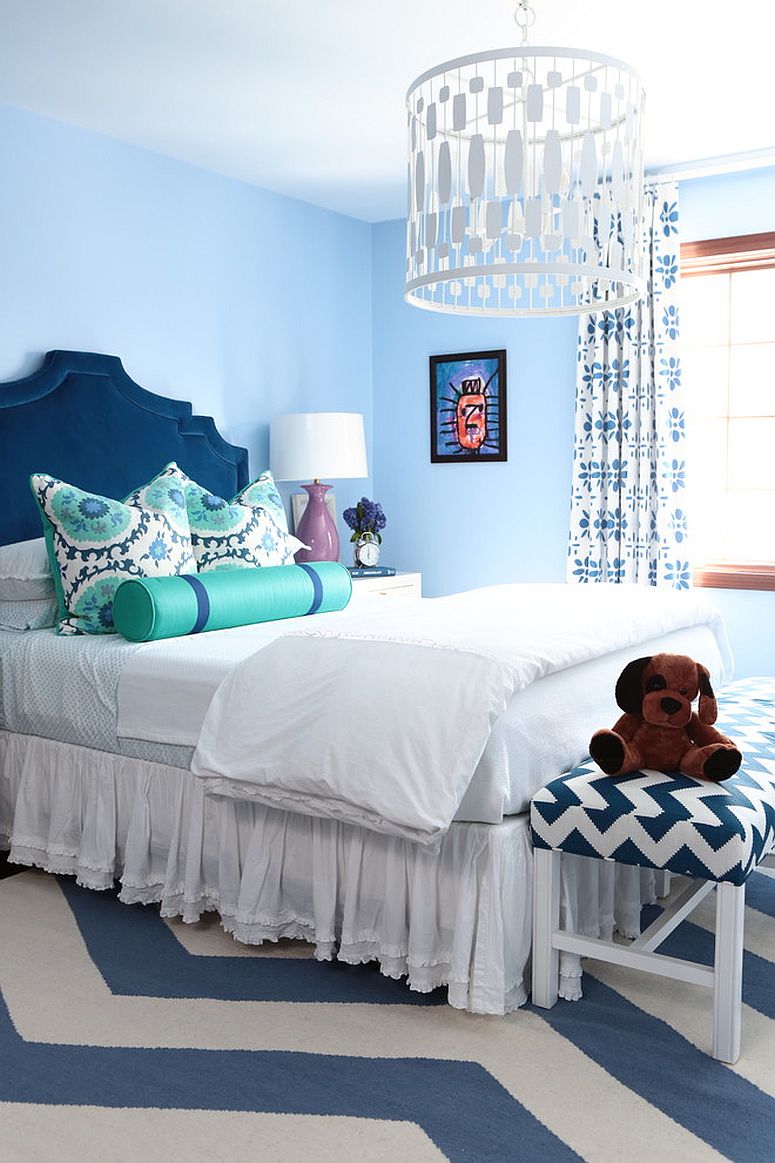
385 730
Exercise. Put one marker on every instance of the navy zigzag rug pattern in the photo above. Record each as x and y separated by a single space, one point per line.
110 1013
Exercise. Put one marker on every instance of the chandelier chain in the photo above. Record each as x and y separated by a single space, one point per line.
524 18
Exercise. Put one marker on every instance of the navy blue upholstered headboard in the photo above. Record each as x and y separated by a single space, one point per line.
81 418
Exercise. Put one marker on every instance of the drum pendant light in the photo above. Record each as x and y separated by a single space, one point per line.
525 182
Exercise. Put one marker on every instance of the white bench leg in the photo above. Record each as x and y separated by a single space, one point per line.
546 919
728 984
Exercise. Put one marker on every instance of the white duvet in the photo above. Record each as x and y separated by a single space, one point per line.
385 729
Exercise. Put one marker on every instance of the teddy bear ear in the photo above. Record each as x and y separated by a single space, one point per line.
629 687
708 711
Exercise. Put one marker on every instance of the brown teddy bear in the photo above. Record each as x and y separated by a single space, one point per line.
658 729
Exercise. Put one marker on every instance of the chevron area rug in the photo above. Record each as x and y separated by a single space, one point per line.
126 1037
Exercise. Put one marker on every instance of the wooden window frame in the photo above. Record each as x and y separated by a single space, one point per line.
724 256
728 575
719 256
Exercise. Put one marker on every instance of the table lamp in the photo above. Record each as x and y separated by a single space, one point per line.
317 444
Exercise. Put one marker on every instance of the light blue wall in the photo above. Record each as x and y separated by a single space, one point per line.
248 304
468 525
742 203
242 301
716 208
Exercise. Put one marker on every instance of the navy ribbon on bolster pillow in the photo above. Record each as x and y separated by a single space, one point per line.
147 609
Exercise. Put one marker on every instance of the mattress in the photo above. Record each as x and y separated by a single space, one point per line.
148 701
65 688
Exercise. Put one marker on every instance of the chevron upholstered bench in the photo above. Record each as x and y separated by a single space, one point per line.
714 833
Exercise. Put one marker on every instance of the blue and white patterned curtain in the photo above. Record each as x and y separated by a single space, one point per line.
628 516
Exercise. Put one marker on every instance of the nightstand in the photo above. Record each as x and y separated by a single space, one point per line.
400 587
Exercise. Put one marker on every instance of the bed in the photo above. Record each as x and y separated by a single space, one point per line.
96 783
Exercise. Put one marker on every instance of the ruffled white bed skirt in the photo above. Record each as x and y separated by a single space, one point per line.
459 917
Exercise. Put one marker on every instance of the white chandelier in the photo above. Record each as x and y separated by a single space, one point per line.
525 182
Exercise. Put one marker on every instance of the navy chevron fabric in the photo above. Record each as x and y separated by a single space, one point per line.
708 830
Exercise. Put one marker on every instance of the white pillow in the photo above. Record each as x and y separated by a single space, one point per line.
25 574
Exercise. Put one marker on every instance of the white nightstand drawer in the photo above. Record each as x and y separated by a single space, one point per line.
402 586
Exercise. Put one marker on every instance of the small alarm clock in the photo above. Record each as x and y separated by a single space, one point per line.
366 550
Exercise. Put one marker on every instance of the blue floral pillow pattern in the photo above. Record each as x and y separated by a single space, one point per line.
95 543
263 491
166 494
233 534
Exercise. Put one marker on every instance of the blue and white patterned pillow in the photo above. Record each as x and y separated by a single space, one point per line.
263 491
232 534
95 543
166 494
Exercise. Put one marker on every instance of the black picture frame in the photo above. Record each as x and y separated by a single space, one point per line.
468 419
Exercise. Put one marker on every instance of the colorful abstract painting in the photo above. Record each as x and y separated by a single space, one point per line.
468 407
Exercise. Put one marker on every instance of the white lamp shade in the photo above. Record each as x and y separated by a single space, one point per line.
317 445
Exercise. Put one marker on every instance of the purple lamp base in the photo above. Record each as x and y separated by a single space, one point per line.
316 528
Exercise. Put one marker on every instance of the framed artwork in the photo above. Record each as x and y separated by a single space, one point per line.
299 504
468 407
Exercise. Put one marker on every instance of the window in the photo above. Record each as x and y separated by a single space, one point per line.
728 338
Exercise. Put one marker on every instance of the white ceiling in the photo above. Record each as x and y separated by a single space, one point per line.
307 98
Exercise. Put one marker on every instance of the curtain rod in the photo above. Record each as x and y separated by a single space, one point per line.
714 166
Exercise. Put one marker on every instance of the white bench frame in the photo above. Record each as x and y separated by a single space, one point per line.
725 978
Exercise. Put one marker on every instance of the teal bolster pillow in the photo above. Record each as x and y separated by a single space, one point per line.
147 609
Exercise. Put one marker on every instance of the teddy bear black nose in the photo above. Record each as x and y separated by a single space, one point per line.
670 706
